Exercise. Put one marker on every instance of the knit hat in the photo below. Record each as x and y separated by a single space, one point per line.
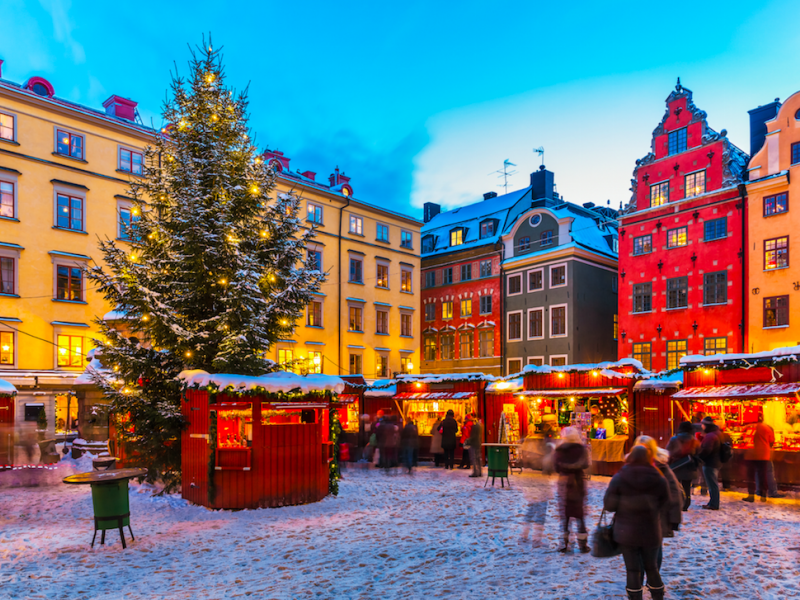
708 420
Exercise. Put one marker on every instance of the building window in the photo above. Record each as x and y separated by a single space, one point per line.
715 229
314 213
357 227
430 347
642 245
642 297
131 161
7 203
355 364
405 281
447 276
515 284
514 365
314 314
776 253
643 354
676 349
381 365
694 184
546 239
466 344
535 280
286 359
796 153
70 350
558 321
486 305
486 343
536 361
776 311
405 325
6 348
717 345
383 276
777 204
715 288
315 260
616 327
447 309
466 272
356 270
427 244
405 364
448 349
7 275
524 244
69 144
486 268
558 276
128 216
535 323
678 292
677 141
659 193
558 361
515 326
406 239
466 308
382 322
430 279
356 319
456 237
430 312
7 127
69 283
677 237
314 362
487 229
69 212
382 233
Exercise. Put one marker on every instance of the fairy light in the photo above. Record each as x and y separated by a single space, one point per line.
254 190
210 78
214 118
595 373
561 376
284 322
188 354
418 384
223 282
182 124
134 258
264 234
145 318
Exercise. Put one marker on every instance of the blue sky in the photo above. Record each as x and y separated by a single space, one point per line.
422 101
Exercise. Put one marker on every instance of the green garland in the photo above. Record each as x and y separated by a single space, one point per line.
212 455
292 396
334 473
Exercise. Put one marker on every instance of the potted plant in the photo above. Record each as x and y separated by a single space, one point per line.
41 424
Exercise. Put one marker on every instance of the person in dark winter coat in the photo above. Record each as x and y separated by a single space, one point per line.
409 443
570 462
449 430
475 443
638 494
682 448
710 455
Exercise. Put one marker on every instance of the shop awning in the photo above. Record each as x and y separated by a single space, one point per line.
718 392
582 393
435 395
346 398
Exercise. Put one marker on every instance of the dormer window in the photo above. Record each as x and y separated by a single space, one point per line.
457 236
427 243
487 229
40 87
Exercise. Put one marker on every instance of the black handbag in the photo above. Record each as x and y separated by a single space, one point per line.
603 544
683 462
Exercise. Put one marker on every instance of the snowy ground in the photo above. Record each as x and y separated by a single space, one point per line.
434 535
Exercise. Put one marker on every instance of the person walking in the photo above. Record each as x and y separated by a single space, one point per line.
449 430
682 448
465 431
710 455
570 462
758 458
409 442
475 443
638 494
436 442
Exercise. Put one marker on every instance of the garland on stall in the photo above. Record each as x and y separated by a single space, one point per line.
291 396
212 455
334 474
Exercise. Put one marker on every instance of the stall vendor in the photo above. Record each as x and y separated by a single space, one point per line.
549 429
597 418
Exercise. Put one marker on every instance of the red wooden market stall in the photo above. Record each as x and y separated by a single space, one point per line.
350 406
254 442
7 419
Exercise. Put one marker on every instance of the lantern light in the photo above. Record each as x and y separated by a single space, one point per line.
561 376
418 384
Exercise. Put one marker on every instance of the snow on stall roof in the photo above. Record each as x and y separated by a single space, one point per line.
790 352
445 377
6 388
660 382
274 383
387 388
512 385
604 368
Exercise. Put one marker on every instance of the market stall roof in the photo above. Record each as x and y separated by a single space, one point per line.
280 381
434 395
774 355
6 389
512 385
763 390
604 368
382 388
584 392
347 398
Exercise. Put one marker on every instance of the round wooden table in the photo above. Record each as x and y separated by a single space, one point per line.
109 499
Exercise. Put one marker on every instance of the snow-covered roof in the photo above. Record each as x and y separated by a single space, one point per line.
660 382
790 353
604 368
512 385
381 388
6 389
445 377
279 382
760 390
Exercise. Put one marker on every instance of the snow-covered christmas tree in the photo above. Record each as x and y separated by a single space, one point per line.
217 270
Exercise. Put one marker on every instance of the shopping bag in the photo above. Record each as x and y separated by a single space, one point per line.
603 544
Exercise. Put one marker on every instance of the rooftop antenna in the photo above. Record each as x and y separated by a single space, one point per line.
540 152
505 173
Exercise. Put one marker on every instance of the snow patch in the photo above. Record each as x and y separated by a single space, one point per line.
272 383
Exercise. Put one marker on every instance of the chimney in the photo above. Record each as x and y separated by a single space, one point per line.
758 124
588 205
309 175
1 68
543 184
430 210
116 106
489 195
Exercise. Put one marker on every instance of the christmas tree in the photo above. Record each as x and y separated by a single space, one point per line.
216 272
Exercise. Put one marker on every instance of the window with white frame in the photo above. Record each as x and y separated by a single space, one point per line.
515 284
131 161
356 225
69 211
70 144
382 232
558 320
314 213
535 323
514 365
406 239
558 360
535 280
515 326
536 361
558 276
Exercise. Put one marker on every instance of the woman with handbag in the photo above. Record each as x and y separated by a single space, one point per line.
682 448
571 461
638 494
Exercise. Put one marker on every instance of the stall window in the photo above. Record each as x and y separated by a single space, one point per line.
717 345
776 311
676 349
7 348
486 339
448 342
643 354
467 340
355 364
32 412
642 297
430 347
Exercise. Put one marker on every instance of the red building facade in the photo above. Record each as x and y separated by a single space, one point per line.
681 243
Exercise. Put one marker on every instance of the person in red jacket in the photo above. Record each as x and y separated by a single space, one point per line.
466 462
758 458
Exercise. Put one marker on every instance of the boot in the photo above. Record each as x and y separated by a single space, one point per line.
635 594
656 593
565 548
749 498
584 547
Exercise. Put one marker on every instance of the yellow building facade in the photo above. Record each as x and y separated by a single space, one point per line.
64 174
365 320
773 243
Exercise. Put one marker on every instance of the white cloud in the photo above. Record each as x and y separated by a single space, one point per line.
62 27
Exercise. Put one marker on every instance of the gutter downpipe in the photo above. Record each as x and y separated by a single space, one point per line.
745 242
339 329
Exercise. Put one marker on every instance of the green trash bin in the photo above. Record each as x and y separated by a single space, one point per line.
497 458
110 501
